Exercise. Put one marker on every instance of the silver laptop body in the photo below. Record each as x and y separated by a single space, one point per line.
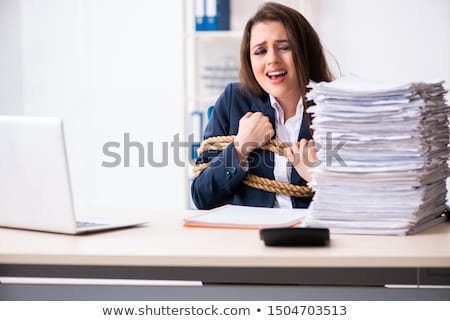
35 184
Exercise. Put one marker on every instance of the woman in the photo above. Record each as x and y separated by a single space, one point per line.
280 54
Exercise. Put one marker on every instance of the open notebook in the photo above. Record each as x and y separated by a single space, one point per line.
247 217
35 184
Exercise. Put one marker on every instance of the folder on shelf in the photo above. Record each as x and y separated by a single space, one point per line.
212 15
200 16
196 131
247 217
223 14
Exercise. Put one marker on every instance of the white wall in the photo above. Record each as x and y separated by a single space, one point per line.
11 100
241 10
106 67
399 40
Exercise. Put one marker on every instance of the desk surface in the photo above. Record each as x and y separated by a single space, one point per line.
165 242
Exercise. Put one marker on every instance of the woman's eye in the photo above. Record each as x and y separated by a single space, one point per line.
260 52
284 48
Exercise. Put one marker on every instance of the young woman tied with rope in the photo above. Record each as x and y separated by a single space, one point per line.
258 147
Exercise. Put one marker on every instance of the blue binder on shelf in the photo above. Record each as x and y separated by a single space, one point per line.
223 14
200 15
212 15
196 131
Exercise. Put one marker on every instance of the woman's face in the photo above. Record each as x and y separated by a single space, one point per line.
272 61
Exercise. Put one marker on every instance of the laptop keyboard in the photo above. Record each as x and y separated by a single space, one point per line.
81 224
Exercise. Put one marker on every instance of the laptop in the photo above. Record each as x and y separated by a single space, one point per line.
35 186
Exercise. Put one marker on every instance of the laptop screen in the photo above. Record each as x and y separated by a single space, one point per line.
35 181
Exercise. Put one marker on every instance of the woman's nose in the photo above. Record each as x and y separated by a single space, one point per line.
272 57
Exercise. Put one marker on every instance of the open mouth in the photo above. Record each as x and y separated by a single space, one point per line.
276 74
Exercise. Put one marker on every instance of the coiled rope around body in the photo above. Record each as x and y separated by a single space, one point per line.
219 143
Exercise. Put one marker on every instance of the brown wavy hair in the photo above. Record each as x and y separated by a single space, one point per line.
307 50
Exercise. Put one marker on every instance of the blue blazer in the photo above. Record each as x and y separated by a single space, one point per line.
221 183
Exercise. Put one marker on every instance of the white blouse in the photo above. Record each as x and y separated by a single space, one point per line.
286 131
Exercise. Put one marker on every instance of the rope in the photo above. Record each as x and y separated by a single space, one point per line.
219 143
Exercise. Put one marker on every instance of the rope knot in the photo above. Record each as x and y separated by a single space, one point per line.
219 143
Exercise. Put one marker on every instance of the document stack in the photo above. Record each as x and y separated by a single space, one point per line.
383 152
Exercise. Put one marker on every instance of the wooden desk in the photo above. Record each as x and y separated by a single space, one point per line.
221 258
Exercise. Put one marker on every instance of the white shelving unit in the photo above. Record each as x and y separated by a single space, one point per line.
211 60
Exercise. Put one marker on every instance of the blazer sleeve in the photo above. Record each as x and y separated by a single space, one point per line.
217 184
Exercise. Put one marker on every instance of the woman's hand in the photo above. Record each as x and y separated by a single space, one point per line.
255 130
303 156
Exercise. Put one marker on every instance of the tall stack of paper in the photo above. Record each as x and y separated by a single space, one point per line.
383 153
